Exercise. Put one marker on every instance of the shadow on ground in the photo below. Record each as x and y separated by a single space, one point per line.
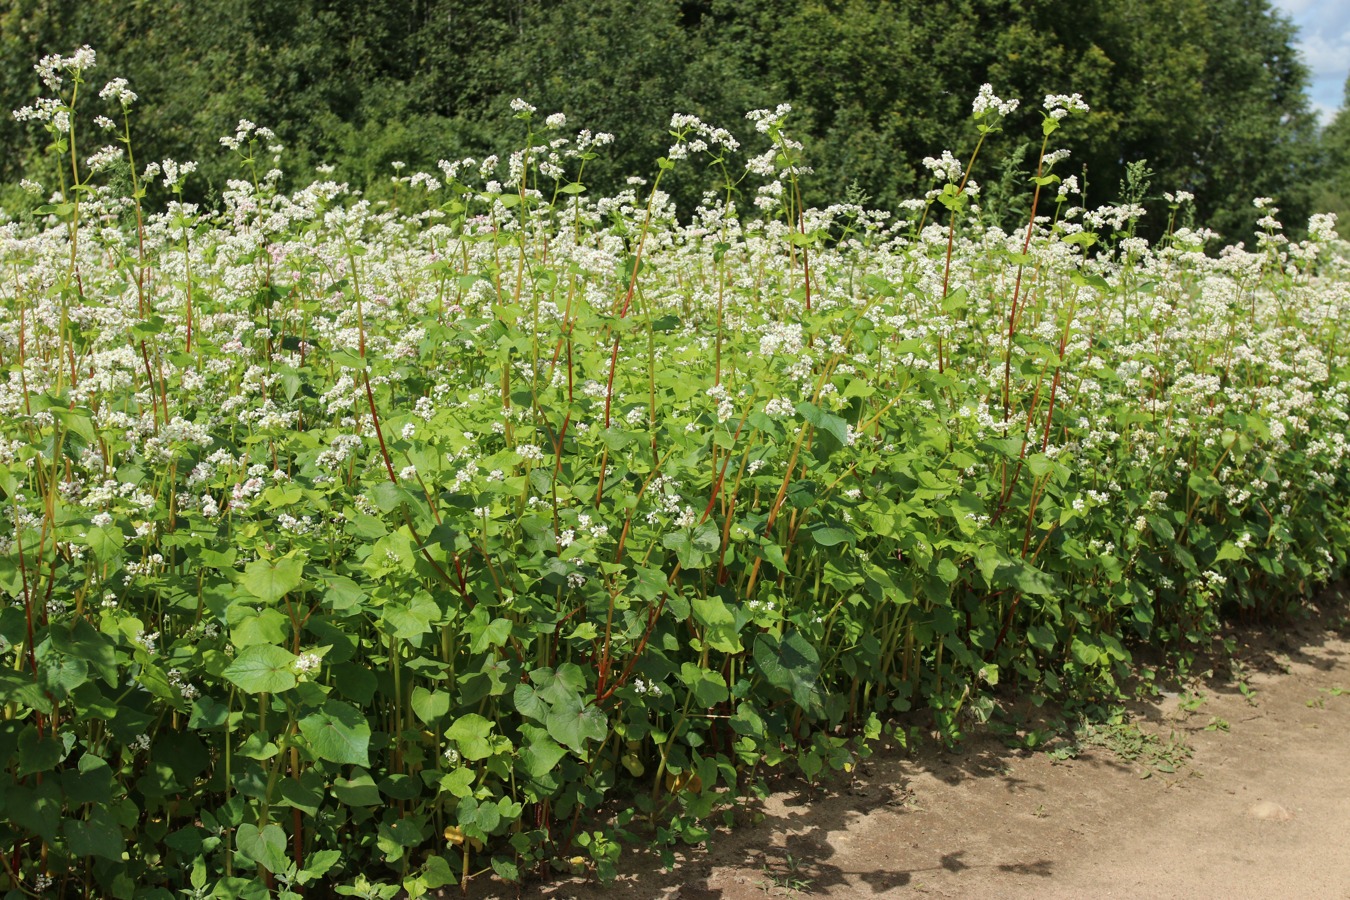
961 819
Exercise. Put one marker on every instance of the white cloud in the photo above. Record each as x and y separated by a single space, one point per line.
1324 43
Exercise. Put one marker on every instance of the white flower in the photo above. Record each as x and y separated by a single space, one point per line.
987 102
1061 105
520 106
946 168
185 688
103 158
175 172
117 91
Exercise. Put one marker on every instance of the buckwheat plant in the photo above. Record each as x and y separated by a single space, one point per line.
375 547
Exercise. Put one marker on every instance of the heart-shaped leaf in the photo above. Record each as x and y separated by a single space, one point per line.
265 846
271 579
262 668
339 733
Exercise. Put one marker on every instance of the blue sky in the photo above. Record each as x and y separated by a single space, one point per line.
1324 41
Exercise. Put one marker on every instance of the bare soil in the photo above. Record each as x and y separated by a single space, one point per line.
1209 790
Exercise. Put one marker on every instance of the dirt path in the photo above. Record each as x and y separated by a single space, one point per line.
1257 804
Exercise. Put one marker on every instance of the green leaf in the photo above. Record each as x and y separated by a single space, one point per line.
719 624
1042 638
61 676
91 782
827 422
956 301
257 626
436 873
791 664
341 593
1084 239
541 756
572 725
257 746
458 782
486 634
82 641
947 570
878 284
318 863
529 703
35 809
398 835
1031 580
709 688
830 536
271 579
99 835
265 846
430 706
38 754
106 541
1162 528
305 795
358 791
1206 486
694 548
339 733
470 733
1087 654
262 668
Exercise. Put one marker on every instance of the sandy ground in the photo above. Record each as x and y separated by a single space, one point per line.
1210 791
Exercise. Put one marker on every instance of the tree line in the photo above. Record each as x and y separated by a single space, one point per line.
1209 92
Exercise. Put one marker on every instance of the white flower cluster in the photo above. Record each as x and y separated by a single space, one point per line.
119 92
987 102
51 68
693 135
725 407
946 167
1060 105
245 133
186 689
781 337
765 120
647 688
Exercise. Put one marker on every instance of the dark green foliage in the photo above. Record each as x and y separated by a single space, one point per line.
1208 91
1333 190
